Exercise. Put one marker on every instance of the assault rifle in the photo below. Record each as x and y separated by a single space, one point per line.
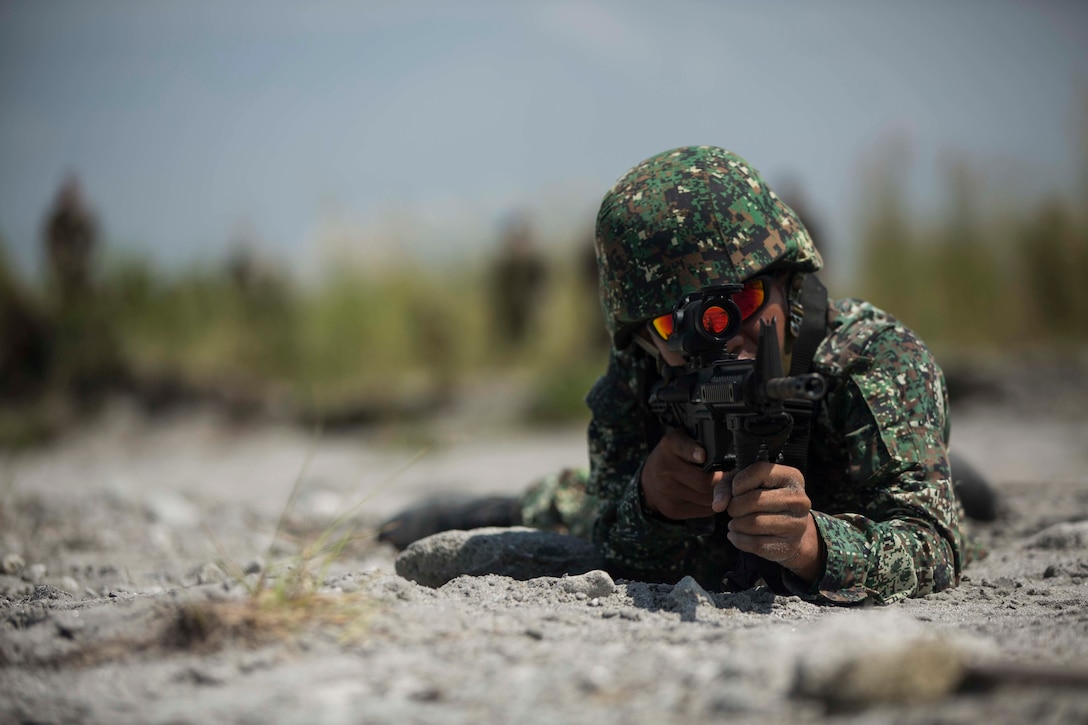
734 408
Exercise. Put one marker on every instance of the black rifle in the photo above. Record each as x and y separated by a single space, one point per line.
734 408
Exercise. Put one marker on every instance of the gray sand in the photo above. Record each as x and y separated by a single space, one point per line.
112 540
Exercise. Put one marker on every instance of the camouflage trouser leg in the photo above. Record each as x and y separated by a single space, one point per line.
559 502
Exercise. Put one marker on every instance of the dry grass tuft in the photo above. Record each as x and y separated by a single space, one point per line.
285 599
265 618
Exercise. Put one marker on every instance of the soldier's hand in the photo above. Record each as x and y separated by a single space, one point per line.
772 518
673 481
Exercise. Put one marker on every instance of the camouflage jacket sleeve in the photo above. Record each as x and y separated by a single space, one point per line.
635 543
879 478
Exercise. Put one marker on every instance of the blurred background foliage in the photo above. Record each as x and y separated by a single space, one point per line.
379 341
991 271
404 339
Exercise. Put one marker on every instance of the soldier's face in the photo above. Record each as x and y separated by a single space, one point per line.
744 344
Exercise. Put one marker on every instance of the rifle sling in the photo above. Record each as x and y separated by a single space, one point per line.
813 330
813 324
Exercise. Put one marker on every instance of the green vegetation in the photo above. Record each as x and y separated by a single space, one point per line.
981 276
396 339
362 345
388 340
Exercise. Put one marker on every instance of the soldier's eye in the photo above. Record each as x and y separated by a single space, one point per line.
752 297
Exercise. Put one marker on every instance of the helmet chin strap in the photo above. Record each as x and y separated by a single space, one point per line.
795 315
663 367
796 308
647 345
807 320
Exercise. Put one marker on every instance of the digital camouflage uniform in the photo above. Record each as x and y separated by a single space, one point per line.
877 475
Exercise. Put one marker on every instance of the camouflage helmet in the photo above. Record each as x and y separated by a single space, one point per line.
686 219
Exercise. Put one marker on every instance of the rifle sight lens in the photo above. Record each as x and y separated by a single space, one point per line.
715 320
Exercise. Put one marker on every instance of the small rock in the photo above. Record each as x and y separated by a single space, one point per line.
592 584
47 592
253 567
12 564
172 509
34 573
68 584
688 597
68 624
320 505
210 573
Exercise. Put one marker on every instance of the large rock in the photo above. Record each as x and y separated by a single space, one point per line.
1065 536
856 659
519 553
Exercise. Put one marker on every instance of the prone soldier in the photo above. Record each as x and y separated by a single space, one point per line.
865 510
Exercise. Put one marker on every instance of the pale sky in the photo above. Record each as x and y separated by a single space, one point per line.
188 121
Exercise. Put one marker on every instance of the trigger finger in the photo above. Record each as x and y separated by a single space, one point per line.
687 448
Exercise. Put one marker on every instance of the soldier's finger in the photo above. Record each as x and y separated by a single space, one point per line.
784 501
723 490
784 526
685 447
751 477
772 548
762 474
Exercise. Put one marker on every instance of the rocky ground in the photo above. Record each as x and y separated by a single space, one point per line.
196 570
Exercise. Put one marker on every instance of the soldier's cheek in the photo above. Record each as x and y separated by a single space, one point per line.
743 346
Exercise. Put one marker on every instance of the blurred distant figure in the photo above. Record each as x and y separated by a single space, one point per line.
86 358
71 238
24 341
517 282
242 267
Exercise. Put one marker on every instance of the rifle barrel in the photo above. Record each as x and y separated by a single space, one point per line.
807 387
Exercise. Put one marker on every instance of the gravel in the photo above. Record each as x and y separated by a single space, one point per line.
142 580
